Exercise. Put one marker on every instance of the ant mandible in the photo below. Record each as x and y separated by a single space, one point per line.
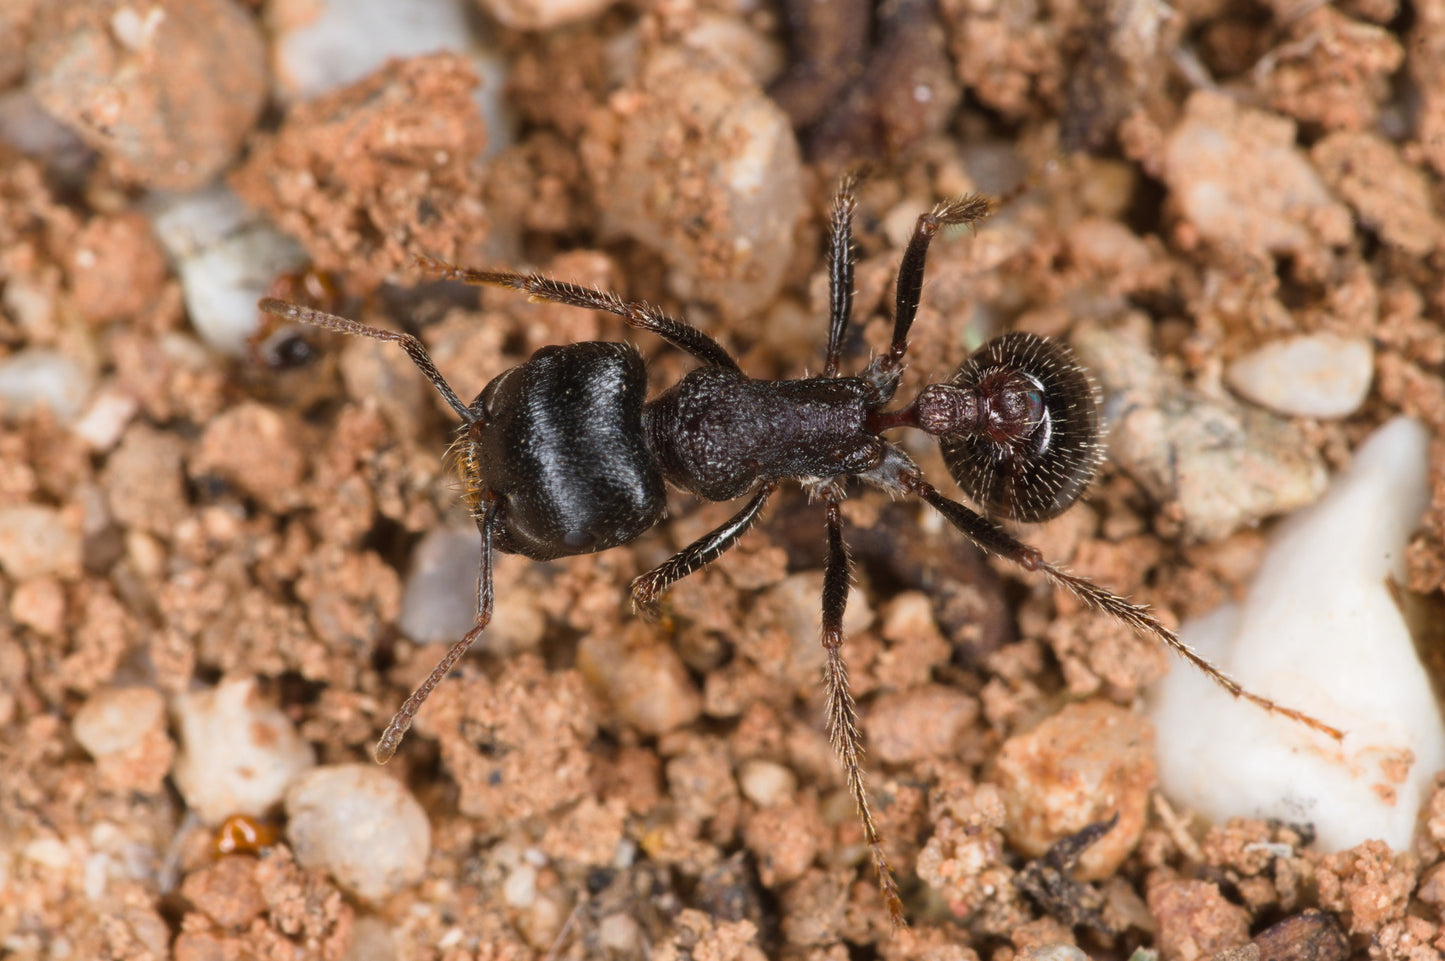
565 455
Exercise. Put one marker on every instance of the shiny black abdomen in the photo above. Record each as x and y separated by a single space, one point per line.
563 448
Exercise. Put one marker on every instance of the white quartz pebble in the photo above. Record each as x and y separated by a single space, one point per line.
1312 375
360 824
114 719
325 44
1318 631
227 259
543 14
240 752
38 377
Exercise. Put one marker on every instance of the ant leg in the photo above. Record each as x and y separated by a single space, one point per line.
413 347
401 722
994 539
967 210
636 314
646 588
842 713
840 272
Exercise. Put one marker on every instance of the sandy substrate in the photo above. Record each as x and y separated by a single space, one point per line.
207 557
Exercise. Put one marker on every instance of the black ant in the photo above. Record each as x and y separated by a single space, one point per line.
565 455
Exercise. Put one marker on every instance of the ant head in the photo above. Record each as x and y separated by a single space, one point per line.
1036 444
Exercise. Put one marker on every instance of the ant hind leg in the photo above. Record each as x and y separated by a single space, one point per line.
843 729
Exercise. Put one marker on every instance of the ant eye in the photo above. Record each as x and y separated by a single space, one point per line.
1038 446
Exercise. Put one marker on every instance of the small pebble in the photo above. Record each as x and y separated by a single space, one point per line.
226 259
227 891
1079 767
321 45
239 752
39 604
520 888
1320 631
361 825
113 719
105 420
1195 920
766 783
723 218
256 449
642 678
1241 182
1053 952
1392 196
143 479
167 89
542 14
1313 375
26 126
439 599
124 729
1213 465
37 540
928 721
38 377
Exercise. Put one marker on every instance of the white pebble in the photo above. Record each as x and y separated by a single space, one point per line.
227 260
1313 375
114 719
361 825
1319 631
1053 952
239 752
520 888
321 45
439 601
324 45
766 783
106 418
38 377
542 14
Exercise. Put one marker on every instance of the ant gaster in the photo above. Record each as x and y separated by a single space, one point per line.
565 455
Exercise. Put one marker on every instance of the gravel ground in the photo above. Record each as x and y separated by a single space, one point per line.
228 549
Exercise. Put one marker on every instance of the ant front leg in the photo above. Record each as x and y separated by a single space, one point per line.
647 588
842 713
635 313
840 272
401 722
967 210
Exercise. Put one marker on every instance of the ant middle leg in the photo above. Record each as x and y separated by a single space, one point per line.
647 588
842 713
635 314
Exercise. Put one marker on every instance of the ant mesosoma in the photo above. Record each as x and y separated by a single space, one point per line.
565 455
